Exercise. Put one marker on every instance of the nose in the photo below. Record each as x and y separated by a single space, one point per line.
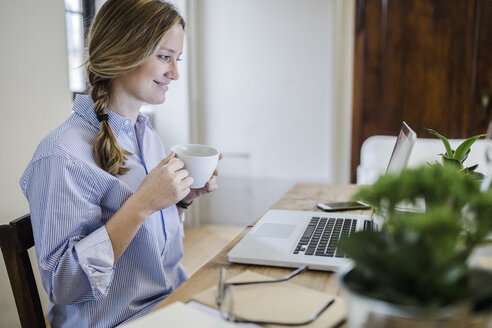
173 72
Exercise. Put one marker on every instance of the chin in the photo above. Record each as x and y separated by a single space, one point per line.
156 101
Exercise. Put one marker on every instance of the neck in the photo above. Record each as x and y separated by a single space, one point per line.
123 105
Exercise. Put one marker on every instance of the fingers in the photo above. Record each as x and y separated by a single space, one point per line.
185 192
211 185
183 175
167 159
174 169
188 181
175 164
216 171
180 183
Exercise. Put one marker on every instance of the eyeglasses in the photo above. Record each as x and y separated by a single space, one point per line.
225 300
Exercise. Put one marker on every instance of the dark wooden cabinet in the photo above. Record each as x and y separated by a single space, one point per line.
426 62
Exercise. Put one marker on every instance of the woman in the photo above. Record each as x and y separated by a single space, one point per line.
102 193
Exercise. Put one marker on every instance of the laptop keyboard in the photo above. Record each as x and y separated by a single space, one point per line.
322 235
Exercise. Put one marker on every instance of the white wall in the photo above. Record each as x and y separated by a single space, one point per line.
273 94
344 70
34 97
267 81
172 118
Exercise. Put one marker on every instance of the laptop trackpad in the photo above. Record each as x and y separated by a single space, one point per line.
275 230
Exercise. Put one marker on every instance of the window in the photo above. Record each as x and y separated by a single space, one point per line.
74 17
78 17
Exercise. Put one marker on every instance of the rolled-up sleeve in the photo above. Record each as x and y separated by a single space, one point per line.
75 254
96 258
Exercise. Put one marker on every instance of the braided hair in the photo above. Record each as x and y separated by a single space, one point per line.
123 35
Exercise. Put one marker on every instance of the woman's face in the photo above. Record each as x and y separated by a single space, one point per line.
149 82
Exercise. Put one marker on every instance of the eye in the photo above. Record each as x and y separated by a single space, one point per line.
165 58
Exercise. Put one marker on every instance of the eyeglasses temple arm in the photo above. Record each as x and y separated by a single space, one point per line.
287 277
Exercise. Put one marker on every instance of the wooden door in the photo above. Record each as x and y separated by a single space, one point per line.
481 107
426 62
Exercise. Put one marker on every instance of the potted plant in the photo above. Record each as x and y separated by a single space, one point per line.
415 268
457 157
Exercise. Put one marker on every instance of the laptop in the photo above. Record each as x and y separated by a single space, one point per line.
288 238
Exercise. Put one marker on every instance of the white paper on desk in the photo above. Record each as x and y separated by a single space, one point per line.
179 315
215 313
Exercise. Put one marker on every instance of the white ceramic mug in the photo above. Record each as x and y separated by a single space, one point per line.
200 161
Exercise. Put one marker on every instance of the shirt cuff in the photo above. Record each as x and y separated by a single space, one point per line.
96 258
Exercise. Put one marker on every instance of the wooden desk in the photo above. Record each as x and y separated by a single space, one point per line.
303 196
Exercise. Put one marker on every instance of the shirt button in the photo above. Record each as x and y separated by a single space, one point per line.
127 122
130 133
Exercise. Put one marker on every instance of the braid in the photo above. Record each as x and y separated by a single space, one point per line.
123 35
109 155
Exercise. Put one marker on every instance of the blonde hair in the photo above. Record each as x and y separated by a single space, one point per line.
123 35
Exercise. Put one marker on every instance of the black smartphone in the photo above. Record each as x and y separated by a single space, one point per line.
343 206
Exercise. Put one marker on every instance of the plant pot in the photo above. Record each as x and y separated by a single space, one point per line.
364 311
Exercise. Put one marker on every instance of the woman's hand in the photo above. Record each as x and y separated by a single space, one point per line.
164 186
210 186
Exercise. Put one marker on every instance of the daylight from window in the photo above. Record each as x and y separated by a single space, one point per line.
75 43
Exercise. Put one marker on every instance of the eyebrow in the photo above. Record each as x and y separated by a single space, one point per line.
170 50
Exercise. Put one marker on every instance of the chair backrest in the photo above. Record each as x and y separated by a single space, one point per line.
15 240
376 152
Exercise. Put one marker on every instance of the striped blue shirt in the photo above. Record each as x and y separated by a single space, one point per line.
70 200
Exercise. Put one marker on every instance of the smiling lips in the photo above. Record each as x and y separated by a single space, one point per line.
162 85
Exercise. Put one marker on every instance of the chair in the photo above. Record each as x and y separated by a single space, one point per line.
15 240
376 152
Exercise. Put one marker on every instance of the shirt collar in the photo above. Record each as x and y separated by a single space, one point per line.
84 106
143 119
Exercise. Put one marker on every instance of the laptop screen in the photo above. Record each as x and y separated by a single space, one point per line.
398 161
403 147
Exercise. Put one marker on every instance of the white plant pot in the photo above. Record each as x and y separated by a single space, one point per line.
367 312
